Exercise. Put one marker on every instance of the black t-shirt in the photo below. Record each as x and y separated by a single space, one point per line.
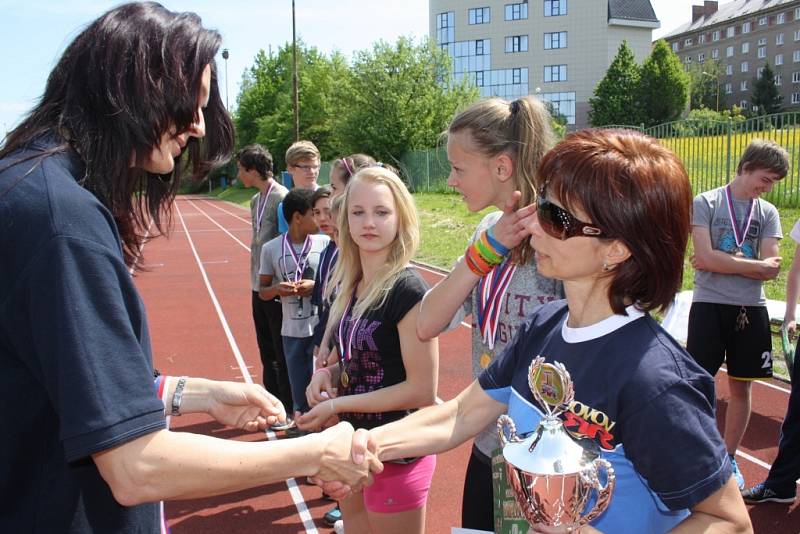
76 373
377 361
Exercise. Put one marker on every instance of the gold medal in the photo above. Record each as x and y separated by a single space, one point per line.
485 360
345 379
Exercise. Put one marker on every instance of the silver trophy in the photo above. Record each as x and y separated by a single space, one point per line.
552 474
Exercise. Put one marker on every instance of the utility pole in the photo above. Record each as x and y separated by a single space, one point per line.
225 56
295 97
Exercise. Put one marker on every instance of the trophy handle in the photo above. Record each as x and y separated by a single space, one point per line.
603 492
505 421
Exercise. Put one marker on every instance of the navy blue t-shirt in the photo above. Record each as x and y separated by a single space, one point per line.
76 374
639 396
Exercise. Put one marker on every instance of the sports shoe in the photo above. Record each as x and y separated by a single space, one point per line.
338 527
737 474
332 516
277 427
761 493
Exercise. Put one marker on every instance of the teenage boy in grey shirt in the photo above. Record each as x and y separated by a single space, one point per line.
735 235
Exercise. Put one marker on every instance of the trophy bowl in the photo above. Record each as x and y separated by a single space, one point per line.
553 475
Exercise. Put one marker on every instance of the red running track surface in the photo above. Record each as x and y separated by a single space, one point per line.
197 295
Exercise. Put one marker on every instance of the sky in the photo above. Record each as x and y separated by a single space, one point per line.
34 33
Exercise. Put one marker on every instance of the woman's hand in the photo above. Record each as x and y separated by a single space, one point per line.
246 406
512 227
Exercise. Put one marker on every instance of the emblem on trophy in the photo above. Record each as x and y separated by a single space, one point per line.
553 475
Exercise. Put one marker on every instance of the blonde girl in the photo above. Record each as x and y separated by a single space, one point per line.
384 370
494 147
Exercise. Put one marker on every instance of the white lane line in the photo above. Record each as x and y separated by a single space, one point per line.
211 231
248 221
294 491
207 216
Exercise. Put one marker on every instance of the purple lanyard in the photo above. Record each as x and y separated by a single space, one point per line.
262 204
326 274
346 349
299 262
739 233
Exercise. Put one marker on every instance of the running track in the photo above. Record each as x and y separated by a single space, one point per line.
198 302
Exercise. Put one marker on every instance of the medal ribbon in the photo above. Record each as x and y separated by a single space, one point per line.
346 349
301 261
491 290
739 234
262 204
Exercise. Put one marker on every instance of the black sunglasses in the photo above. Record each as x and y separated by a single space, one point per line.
561 224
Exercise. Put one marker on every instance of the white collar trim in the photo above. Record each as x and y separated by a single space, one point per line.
599 329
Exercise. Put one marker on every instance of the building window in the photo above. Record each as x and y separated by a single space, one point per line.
516 76
519 11
779 59
701 38
778 79
795 98
688 60
744 104
675 46
480 15
743 85
762 41
729 51
715 35
779 39
762 21
554 8
744 66
555 40
730 31
555 73
701 57
796 76
479 50
759 70
687 42
445 28
781 18
796 13
715 53
479 78
746 27
517 43
561 104
796 56
745 48
728 89
762 52
729 70
797 35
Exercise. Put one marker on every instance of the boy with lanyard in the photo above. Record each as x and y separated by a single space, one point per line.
735 235
288 266
255 170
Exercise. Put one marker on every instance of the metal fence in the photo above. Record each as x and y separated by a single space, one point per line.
709 149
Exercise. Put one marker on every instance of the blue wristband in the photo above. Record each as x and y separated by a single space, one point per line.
498 247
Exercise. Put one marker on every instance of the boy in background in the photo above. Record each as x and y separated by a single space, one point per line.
288 266
255 170
302 162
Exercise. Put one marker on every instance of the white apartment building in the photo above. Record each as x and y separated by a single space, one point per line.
557 50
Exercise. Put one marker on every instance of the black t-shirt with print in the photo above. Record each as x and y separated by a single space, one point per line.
376 360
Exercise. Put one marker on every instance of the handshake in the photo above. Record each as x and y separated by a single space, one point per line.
346 460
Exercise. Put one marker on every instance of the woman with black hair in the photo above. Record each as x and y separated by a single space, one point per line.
84 447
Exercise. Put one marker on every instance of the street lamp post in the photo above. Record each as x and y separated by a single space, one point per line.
225 56
295 98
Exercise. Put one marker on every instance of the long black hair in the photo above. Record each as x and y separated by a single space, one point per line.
130 76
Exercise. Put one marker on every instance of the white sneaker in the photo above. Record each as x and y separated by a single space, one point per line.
338 527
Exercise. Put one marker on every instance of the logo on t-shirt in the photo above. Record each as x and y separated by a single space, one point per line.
583 421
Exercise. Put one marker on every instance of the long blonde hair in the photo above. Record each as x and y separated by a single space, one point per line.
520 129
347 272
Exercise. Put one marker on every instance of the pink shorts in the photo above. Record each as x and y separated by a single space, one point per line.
400 487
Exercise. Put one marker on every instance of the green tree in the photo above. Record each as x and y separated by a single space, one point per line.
264 111
615 97
399 97
705 87
766 98
664 87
